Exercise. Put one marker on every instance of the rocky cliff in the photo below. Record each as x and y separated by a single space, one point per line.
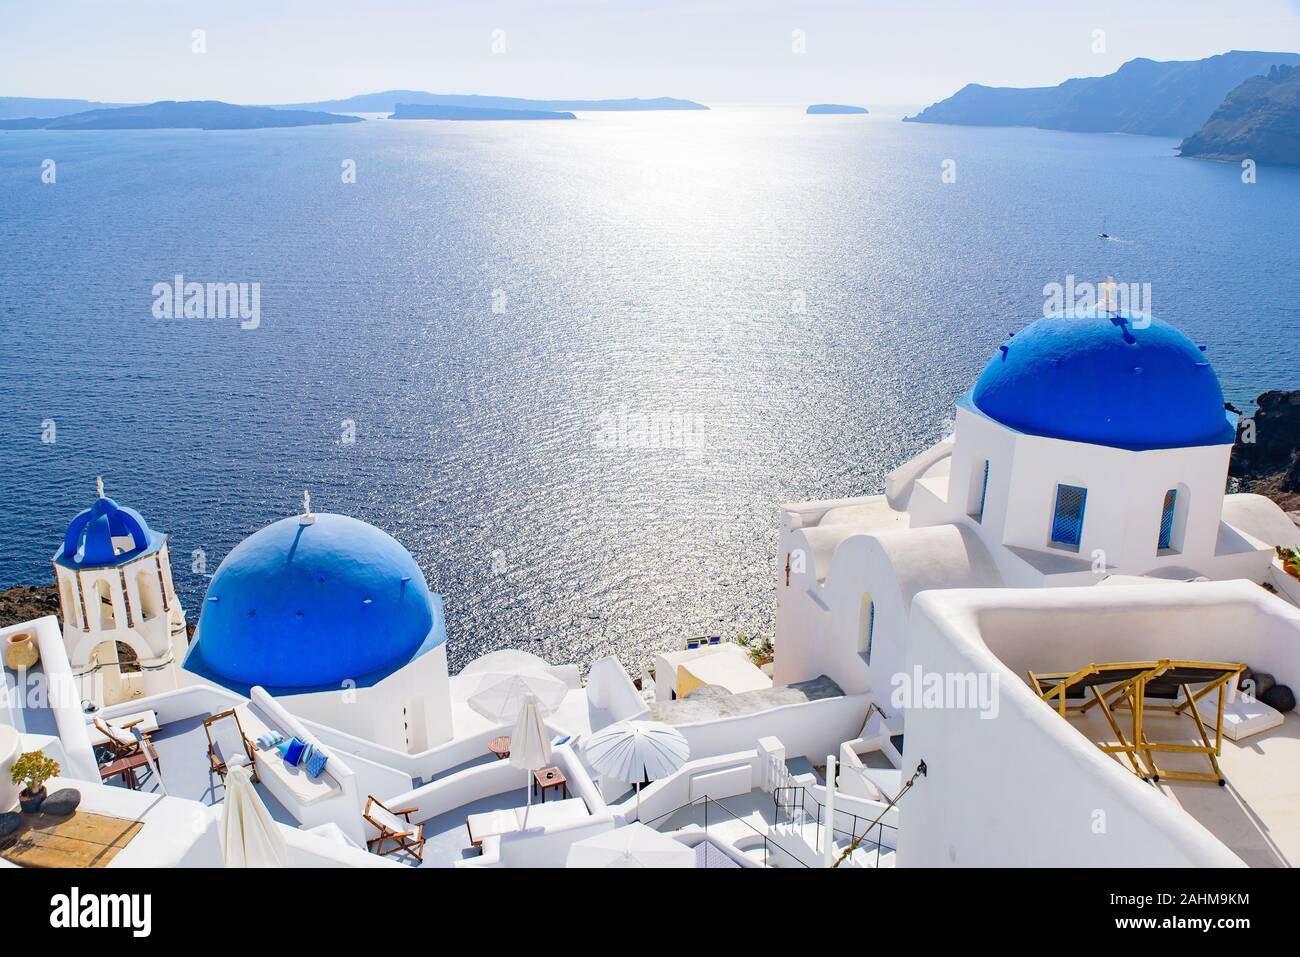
1266 456
1258 120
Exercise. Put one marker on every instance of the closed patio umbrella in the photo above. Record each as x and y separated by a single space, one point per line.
530 745
249 836
633 845
636 751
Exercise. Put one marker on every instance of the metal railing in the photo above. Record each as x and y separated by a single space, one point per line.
721 810
793 803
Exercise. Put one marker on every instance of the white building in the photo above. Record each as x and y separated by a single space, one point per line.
1089 448
122 622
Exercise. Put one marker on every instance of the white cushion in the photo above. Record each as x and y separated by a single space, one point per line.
116 734
1241 718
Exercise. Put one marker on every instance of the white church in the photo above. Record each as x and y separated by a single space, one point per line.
1091 451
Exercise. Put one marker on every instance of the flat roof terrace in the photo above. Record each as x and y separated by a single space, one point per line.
1257 813
711 702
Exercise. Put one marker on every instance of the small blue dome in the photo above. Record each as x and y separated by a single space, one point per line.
1105 380
89 540
297 607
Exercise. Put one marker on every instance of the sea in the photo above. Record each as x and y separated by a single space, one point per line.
574 367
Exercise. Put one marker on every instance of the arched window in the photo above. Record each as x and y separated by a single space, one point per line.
147 587
103 601
1173 510
866 628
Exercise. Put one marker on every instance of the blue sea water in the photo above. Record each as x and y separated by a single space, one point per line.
802 297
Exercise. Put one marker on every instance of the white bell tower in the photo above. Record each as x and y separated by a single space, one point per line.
123 625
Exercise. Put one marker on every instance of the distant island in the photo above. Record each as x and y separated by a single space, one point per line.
821 109
387 102
27 107
173 115
1144 96
423 111
1259 120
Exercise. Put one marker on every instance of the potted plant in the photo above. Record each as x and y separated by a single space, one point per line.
1290 559
32 770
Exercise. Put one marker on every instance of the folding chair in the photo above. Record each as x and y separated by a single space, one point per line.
1109 685
121 742
1194 680
226 740
404 835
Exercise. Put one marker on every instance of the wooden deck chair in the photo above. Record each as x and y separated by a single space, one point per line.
1109 685
120 742
1195 680
392 827
226 740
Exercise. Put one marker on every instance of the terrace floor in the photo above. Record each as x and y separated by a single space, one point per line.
1254 814
183 762
446 837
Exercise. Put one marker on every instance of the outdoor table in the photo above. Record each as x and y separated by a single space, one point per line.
125 767
548 778
500 746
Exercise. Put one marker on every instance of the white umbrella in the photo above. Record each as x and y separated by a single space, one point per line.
530 745
501 696
633 845
637 751
148 756
249 837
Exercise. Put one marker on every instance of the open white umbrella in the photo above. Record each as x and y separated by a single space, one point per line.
633 845
249 836
500 696
530 745
636 751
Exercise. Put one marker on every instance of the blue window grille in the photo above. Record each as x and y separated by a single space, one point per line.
1167 519
1067 517
984 493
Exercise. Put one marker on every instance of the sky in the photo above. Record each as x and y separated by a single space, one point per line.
890 55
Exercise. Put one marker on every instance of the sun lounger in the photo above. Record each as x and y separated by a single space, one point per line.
1185 685
1109 685
1149 690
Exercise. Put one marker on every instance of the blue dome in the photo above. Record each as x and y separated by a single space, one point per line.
1107 381
297 607
89 540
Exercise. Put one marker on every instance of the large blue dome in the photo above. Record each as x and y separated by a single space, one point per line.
1108 381
303 606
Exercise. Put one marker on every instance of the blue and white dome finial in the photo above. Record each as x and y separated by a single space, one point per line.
106 535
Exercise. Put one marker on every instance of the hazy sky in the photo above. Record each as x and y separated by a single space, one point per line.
881 53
